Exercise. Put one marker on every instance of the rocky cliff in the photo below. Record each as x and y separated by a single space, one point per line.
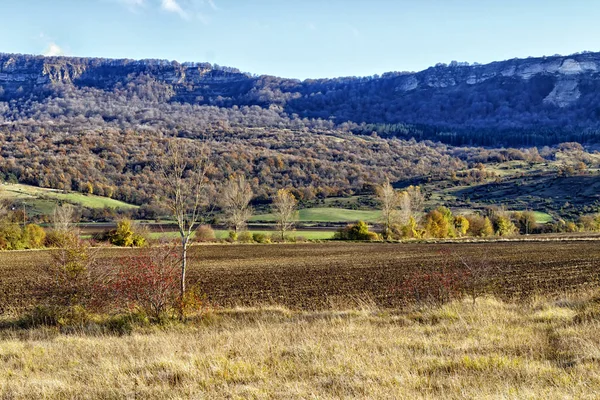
20 75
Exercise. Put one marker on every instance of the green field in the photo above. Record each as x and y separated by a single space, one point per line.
43 201
309 235
326 214
223 234
542 217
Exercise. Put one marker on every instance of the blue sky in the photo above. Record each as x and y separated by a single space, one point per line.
302 38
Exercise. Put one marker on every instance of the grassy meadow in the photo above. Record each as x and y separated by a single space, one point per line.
224 234
43 201
489 350
327 214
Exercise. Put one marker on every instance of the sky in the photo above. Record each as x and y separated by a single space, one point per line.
302 38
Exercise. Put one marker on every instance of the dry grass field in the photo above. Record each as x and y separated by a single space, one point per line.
326 321
490 350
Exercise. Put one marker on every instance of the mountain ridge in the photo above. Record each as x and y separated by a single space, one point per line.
208 65
546 99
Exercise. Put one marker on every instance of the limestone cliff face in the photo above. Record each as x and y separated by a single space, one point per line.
25 73
567 71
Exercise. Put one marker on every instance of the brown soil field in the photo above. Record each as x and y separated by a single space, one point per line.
332 275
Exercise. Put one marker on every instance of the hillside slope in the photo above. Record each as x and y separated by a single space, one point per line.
76 123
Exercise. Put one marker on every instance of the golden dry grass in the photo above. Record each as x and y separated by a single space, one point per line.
492 349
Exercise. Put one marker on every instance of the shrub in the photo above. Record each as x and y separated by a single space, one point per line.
126 235
205 233
193 302
245 237
358 231
34 236
260 238
409 231
12 236
525 222
479 226
488 228
233 236
149 282
68 273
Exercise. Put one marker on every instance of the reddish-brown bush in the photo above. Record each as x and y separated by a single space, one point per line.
149 281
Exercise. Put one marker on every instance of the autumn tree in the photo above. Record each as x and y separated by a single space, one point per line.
416 200
461 224
505 227
235 202
184 171
439 223
526 221
436 225
284 208
488 228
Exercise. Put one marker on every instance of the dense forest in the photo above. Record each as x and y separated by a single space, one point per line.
100 125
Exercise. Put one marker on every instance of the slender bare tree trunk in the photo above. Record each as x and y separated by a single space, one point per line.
184 249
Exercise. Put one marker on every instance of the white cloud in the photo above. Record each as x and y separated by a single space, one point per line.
212 5
53 50
174 7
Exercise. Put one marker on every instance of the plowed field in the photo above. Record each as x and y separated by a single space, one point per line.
320 276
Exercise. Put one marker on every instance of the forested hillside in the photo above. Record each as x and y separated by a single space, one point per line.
101 125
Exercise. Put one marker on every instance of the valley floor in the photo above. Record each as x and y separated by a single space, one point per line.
537 349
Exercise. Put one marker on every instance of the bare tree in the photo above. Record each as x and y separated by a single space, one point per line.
235 201
390 201
480 275
417 200
284 207
184 179
411 204
405 208
63 218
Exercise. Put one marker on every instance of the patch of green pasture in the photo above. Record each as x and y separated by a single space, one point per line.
542 217
224 234
43 200
327 214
